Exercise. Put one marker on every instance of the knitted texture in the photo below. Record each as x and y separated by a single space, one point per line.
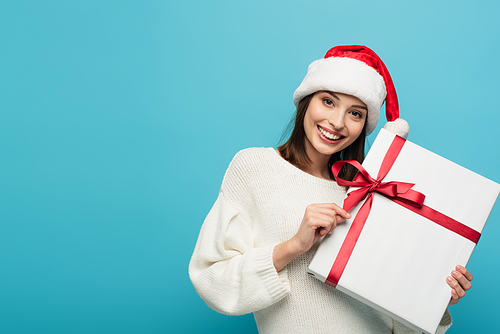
261 204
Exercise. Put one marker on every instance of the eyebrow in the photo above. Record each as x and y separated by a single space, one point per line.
336 97
362 107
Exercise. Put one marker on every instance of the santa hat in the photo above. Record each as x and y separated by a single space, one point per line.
356 70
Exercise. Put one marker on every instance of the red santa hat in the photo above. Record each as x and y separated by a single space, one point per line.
356 70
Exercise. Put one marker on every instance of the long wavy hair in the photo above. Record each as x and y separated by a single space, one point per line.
294 149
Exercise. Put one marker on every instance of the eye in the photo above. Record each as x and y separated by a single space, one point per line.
356 114
328 102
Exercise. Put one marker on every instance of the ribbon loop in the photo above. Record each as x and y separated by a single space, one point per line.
391 190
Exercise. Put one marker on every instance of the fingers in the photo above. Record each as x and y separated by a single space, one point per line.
331 217
453 301
457 291
464 272
318 220
332 210
459 281
335 208
324 222
463 277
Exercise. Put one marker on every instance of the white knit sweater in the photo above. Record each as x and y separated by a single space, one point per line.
261 204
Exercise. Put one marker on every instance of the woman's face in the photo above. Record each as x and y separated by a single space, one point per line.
332 122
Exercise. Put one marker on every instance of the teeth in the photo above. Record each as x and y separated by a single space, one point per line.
328 134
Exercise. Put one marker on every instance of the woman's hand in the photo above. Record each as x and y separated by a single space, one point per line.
459 281
318 220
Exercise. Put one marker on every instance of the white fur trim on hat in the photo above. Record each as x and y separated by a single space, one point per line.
347 76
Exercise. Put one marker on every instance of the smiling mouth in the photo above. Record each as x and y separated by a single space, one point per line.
328 135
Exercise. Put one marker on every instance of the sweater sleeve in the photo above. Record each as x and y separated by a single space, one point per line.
228 271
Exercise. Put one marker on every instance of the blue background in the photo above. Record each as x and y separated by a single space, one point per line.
119 118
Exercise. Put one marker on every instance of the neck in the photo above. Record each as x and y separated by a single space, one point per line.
319 163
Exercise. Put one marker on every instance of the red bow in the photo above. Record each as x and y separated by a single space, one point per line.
369 185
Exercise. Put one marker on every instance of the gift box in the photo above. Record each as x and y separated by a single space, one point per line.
415 216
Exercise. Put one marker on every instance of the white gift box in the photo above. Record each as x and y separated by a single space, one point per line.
401 259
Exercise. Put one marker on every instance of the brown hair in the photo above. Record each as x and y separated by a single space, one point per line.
294 149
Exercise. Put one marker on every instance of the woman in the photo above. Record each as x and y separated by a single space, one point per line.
274 205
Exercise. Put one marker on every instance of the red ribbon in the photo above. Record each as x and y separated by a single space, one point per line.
399 192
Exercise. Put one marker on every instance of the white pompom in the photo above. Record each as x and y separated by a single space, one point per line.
399 126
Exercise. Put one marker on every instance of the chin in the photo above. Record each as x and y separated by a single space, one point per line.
326 150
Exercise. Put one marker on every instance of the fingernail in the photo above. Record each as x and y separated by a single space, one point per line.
454 273
348 215
449 279
453 292
459 267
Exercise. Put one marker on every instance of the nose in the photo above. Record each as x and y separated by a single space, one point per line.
336 119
